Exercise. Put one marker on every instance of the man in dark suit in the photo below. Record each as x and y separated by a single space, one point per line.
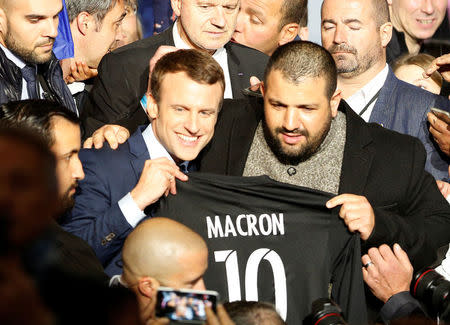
120 184
356 34
123 74
56 248
306 136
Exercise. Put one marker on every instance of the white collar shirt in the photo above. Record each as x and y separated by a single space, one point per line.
362 97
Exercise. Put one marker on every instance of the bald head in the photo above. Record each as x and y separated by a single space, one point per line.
164 249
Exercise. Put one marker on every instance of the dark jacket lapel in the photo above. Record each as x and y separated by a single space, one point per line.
138 151
382 110
358 153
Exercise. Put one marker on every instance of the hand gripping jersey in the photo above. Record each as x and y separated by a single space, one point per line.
273 242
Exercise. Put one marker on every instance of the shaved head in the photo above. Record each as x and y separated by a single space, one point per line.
163 249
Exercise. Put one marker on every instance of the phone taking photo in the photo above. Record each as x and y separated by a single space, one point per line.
441 114
185 305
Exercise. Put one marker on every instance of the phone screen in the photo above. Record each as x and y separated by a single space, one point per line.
185 305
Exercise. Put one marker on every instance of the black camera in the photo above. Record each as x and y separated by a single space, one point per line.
326 312
433 291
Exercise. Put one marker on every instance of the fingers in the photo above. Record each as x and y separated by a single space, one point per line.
402 257
437 123
356 212
88 143
160 52
341 199
254 83
211 319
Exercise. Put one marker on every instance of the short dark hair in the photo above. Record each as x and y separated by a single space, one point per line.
253 313
33 140
294 11
36 115
97 8
199 66
302 59
380 12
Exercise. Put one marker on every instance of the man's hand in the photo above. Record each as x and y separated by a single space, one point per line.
78 71
160 52
221 318
385 272
157 179
444 187
113 134
440 64
440 132
356 211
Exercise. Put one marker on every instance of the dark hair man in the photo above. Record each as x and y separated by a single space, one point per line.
253 313
94 25
123 74
267 24
333 150
27 65
121 184
60 129
356 32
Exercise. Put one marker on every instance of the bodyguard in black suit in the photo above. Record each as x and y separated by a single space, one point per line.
123 74
384 167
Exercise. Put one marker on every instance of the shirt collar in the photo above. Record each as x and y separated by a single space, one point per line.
372 87
15 59
155 148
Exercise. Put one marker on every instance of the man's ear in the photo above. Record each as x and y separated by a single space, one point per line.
148 286
334 102
152 106
176 7
385 34
3 25
288 33
83 22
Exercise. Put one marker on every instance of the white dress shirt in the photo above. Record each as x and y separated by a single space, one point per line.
363 96
220 56
129 208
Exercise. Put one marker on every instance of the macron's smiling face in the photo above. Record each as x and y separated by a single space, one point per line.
184 119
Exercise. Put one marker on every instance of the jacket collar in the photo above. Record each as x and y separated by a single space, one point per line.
358 153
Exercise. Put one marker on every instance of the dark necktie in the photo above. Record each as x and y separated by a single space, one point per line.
184 167
29 74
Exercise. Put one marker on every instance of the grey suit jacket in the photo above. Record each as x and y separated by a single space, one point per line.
403 108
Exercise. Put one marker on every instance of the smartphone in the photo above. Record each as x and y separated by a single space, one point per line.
185 305
441 114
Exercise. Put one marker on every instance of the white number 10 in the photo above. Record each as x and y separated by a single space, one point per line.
251 276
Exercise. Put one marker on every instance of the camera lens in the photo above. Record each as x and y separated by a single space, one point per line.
326 312
431 288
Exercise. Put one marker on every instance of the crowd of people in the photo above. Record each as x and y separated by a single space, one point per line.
224 151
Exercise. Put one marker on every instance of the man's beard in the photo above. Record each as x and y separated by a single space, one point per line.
352 64
68 200
300 154
27 55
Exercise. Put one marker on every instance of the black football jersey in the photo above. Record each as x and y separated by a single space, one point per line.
273 242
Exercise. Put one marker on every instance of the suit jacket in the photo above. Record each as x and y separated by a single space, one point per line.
403 107
384 166
96 216
123 80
